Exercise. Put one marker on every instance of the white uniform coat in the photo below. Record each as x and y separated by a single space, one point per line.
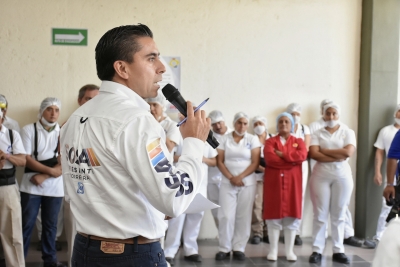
118 170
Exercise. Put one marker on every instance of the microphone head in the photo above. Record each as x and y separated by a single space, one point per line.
169 90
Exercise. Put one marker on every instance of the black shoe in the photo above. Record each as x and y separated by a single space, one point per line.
39 246
298 241
353 241
2 263
58 246
369 243
255 240
54 264
194 258
340 257
266 239
315 258
222 256
238 255
170 260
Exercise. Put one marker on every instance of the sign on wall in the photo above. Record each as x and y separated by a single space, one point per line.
171 75
69 36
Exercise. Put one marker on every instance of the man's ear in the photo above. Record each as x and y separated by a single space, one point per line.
120 68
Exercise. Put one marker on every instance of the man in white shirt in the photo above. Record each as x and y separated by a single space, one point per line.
42 183
214 174
382 144
12 154
8 122
118 169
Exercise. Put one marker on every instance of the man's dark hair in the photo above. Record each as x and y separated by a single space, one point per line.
118 44
85 88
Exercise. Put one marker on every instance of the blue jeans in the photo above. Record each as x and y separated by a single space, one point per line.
50 209
87 253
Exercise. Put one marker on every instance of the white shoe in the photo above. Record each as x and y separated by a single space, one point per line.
289 243
273 235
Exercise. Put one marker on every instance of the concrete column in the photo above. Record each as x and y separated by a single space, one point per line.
378 97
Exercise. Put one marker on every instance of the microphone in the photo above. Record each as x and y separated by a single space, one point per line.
174 96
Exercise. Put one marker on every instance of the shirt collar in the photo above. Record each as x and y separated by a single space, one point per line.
122 90
3 128
39 126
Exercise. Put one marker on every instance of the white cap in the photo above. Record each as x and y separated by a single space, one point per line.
332 105
323 103
216 116
240 115
294 107
159 99
47 102
259 118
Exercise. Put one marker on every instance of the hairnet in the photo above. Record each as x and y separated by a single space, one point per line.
47 102
285 114
323 103
216 116
3 102
332 105
259 118
397 109
159 99
240 115
294 107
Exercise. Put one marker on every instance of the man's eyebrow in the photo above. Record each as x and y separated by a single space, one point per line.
153 55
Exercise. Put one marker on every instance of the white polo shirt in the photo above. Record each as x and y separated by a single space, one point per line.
339 139
46 144
238 156
5 144
122 183
214 174
385 138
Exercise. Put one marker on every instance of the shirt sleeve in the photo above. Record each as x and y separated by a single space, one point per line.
394 150
314 139
18 147
147 160
255 142
350 138
212 153
173 133
306 129
26 136
379 141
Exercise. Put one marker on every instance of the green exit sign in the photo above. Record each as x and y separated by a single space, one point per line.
69 36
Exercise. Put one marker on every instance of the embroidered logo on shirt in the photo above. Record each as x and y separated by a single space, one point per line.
87 156
248 146
81 189
161 164
9 149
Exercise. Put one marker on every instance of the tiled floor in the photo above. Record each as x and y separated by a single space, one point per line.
255 256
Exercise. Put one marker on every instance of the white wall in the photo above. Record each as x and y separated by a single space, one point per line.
246 55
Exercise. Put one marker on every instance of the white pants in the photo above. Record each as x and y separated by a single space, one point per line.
234 216
284 223
60 222
348 222
330 194
304 176
187 226
213 196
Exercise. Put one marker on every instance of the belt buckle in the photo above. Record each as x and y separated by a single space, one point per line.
112 247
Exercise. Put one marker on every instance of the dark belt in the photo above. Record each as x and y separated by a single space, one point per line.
7 181
140 239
